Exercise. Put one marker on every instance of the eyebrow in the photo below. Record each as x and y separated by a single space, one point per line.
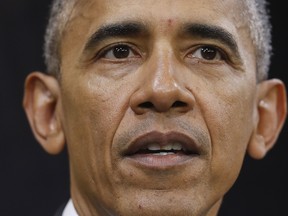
133 29
121 29
211 32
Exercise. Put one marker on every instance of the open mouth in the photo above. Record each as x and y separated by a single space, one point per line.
161 150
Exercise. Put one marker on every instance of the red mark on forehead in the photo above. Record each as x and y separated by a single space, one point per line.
167 25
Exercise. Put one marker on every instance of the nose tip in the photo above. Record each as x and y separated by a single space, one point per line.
166 99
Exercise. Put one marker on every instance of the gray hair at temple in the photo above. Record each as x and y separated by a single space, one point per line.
258 21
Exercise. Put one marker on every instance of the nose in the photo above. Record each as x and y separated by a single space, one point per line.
162 89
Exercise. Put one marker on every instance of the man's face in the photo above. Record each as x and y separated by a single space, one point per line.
158 104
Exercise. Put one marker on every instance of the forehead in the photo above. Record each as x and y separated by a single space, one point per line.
164 16
151 10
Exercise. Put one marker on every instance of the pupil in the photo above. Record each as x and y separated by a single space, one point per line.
208 53
121 52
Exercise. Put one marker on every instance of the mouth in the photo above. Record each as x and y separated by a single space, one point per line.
162 150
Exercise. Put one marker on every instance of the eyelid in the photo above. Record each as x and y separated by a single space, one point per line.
222 53
103 51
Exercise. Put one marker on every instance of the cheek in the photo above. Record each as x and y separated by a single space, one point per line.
228 113
92 108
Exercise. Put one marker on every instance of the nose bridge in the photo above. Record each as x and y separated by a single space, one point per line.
160 69
162 88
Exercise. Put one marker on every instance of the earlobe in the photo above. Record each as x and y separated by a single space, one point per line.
42 106
271 115
257 148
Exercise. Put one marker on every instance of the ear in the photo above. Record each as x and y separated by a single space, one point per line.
271 115
42 106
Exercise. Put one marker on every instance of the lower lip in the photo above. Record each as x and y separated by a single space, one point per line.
157 161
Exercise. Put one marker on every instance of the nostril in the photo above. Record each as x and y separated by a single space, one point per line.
146 105
179 104
150 105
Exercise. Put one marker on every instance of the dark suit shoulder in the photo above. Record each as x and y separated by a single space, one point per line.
60 210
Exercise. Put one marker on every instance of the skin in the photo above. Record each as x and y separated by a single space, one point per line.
166 90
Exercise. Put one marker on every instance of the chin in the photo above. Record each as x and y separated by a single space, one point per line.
166 203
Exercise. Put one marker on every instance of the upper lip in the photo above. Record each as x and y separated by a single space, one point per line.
163 139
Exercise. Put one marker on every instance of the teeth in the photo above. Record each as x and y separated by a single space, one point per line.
177 146
164 153
168 147
154 147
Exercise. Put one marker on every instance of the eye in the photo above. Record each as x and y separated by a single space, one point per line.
208 53
119 52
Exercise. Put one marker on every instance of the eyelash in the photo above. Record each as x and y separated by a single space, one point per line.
204 47
106 50
191 54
